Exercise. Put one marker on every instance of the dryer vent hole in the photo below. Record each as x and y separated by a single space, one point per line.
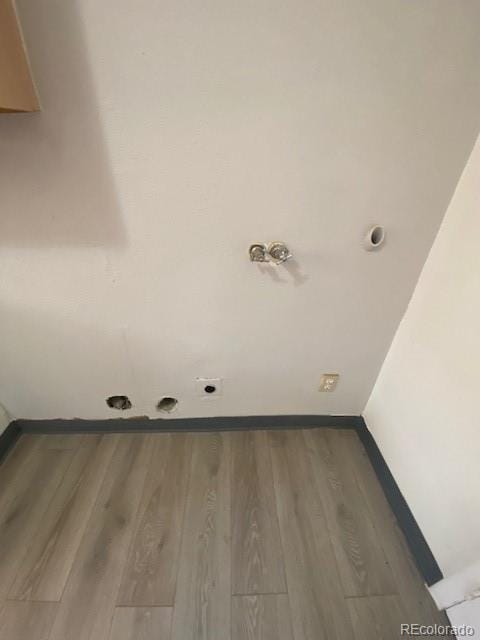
119 402
167 404
210 388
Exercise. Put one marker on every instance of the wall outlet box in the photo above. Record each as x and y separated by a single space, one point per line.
329 381
209 387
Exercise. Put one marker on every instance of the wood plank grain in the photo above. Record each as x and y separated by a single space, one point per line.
410 585
27 620
362 564
29 497
13 466
151 571
318 608
87 606
265 617
45 568
203 600
63 440
257 556
377 617
41 504
141 623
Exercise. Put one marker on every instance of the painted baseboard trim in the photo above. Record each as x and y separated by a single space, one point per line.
423 556
145 424
8 438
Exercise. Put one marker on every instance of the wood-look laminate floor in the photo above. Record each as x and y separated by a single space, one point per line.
279 535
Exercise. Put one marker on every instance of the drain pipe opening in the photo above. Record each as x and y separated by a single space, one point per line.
167 404
374 238
119 402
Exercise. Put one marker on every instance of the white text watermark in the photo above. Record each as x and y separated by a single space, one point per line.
427 630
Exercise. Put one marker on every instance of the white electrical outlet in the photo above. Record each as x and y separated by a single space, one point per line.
329 381
209 387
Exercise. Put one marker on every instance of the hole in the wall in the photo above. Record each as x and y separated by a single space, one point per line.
210 388
375 238
119 402
377 235
167 404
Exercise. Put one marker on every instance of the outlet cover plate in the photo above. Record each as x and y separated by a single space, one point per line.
328 382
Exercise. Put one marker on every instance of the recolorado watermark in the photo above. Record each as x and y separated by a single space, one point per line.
436 630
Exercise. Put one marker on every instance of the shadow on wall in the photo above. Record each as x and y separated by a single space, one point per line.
75 384
55 180
285 273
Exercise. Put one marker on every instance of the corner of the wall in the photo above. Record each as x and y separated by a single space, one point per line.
5 419
421 552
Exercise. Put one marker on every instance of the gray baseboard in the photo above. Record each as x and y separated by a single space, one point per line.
144 424
421 552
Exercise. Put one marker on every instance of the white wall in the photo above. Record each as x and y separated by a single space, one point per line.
424 409
172 135
4 419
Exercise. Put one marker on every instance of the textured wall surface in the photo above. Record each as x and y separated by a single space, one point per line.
423 410
172 135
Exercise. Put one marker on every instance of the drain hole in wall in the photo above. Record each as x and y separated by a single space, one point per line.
119 402
377 236
374 238
210 388
167 404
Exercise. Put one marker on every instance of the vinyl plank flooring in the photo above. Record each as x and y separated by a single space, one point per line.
27 620
31 492
87 606
16 465
45 569
63 440
13 458
265 617
151 571
203 600
257 556
362 564
410 586
377 617
137 535
141 623
318 608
